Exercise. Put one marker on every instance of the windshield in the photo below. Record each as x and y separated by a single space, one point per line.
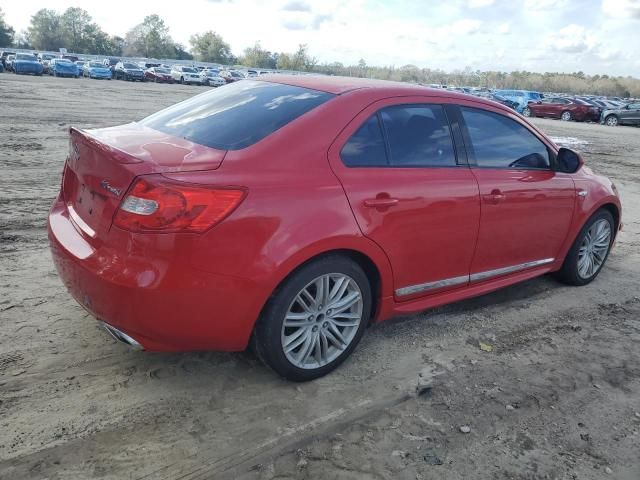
63 60
161 70
188 69
212 73
238 115
96 65
130 65
26 56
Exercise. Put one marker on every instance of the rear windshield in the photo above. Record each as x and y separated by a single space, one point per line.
238 115
26 56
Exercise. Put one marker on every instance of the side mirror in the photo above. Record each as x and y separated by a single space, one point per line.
568 161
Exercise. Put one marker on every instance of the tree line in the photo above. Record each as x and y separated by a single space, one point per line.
75 30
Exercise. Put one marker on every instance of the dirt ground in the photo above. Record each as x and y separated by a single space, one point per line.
557 398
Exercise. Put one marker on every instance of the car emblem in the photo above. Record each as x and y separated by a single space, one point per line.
116 191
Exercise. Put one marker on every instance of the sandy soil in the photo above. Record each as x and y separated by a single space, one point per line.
558 397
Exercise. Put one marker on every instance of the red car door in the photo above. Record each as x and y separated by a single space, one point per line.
526 206
409 193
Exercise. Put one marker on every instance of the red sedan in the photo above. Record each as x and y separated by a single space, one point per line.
289 212
563 108
158 75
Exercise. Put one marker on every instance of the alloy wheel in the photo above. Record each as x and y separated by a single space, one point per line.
566 116
612 121
594 248
526 112
322 321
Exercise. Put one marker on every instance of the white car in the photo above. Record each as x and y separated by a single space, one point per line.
187 75
212 77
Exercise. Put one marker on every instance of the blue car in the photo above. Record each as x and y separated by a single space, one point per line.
96 70
27 63
61 67
520 97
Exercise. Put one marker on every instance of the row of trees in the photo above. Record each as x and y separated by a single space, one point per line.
75 30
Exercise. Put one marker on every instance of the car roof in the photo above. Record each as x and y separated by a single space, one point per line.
340 85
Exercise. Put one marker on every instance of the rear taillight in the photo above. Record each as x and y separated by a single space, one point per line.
156 204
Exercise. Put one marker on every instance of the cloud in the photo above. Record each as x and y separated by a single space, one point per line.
549 6
621 8
296 6
571 39
480 3
504 28
318 20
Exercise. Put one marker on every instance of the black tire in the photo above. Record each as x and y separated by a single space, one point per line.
612 121
266 339
569 272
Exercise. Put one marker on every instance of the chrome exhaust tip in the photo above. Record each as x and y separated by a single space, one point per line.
122 337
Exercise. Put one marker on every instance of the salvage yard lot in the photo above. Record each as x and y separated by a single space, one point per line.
557 397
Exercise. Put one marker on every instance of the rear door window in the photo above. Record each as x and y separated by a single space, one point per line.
366 147
500 142
418 136
237 115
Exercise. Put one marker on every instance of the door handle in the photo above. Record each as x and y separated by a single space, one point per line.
495 197
380 202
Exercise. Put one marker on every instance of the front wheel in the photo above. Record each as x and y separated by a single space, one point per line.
315 319
611 120
590 250
526 112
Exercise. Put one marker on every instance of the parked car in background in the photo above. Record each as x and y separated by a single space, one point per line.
212 77
45 59
27 63
111 62
3 57
128 71
186 75
8 63
520 97
95 69
81 64
148 65
72 58
562 108
1 67
158 75
173 248
627 115
61 67
231 75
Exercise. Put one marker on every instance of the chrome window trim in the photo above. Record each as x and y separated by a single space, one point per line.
475 277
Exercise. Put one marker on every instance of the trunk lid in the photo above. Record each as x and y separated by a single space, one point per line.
103 163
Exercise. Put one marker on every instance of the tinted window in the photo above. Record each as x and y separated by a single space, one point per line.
499 142
366 147
237 115
418 136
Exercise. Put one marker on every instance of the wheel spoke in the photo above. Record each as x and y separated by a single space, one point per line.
294 340
317 349
339 287
346 323
294 320
345 302
307 348
332 338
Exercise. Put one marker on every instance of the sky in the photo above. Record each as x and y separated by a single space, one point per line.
593 36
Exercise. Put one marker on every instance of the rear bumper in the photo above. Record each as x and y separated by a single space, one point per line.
146 287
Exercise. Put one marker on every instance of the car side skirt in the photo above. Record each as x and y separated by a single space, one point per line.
474 277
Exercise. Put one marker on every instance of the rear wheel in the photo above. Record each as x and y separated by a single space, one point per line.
566 116
589 251
526 112
611 120
315 319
